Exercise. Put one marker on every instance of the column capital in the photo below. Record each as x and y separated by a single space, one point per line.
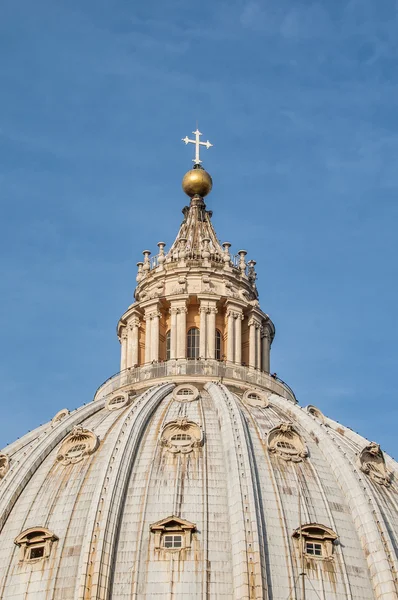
134 322
254 320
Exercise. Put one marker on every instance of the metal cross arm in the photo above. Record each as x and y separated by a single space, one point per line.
197 143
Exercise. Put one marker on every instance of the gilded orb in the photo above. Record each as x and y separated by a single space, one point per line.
197 182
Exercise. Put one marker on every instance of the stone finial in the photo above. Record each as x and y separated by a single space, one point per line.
147 262
161 255
140 273
206 251
242 262
252 275
226 256
182 251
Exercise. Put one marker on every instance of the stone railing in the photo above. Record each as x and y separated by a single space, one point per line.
182 368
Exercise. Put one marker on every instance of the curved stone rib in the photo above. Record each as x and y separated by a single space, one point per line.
248 563
102 524
21 476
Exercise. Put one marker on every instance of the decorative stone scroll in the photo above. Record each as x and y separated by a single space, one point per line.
255 398
61 414
118 400
172 534
35 544
185 393
317 540
4 465
371 462
77 445
181 436
315 412
284 441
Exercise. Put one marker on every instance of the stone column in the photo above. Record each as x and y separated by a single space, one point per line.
129 344
203 331
238 338
134 341
123 354
230 338
265 350
182 332
148 337
173 332
258 346
155 335
252 343
211 332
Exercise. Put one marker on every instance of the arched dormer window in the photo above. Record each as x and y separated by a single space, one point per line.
372 462
218 345
35 544
193 343
315 540
168 345
181 436
77 445
285 442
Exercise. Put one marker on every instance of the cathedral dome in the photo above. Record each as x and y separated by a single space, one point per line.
194 473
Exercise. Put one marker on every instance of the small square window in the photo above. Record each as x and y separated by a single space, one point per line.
172 541
37 552
313 549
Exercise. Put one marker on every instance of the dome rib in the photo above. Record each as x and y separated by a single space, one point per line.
249 563
96 557
18 479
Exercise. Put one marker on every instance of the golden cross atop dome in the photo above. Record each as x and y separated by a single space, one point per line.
197 143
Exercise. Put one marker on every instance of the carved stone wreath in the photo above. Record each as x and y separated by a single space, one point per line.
284 441
371 462
185 393
181 436
255 399
77 445
61 414
4 465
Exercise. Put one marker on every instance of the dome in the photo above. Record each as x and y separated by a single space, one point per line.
187 484
197 181
194 472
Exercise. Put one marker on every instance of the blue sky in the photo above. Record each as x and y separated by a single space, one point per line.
299 99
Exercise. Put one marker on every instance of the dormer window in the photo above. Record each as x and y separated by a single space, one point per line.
313 548
317 541
284 441
118 400
77 445
185 393
172 541
172 534
181 436
255 398
35 544
61 414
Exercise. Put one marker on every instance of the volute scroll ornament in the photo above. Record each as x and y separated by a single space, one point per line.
181 436
4 465
77 445
284 441
372 462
